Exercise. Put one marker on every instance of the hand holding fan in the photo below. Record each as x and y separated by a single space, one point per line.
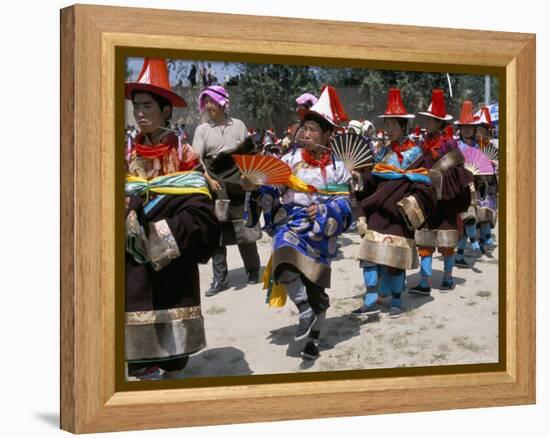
353 150
262 169
477 162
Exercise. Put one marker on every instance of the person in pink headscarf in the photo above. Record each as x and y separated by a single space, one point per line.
216 93
221 135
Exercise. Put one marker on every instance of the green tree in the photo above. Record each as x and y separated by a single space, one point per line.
269 91
415 88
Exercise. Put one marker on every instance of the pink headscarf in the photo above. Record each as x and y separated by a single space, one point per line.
306 99
217 93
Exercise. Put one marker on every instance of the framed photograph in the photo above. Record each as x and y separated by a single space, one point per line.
282 207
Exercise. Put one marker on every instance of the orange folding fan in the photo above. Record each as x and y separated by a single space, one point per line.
263 169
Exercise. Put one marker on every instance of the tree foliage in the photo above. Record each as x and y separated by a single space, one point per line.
179 70
415 88
268 91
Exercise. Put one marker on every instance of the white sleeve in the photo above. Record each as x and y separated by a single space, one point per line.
198 141
245 131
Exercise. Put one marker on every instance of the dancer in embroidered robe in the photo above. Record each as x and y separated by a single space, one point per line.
396 197
170 227
306 217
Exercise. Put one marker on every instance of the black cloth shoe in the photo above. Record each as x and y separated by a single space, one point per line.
365 311
216 287
253 277
311 350
461 262
447 285
304 326
420 290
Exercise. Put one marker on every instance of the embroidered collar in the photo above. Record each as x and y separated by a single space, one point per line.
400 146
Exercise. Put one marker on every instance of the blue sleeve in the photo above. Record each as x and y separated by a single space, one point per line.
267 201
333 217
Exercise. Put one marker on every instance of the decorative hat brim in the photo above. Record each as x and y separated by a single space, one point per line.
393 116
485 123
323 116
174 99
446 118
459 123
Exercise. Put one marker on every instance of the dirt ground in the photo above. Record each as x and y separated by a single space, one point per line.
246 337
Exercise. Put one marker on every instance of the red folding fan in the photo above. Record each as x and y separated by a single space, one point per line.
262 169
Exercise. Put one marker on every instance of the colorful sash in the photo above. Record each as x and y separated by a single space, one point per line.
178 183
299 185
387 171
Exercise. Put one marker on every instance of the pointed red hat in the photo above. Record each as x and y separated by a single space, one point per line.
466 114
154 79
485 117
437 108
328 107
395 108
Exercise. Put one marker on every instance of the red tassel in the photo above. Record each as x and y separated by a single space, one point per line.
438 103
395 105
336 107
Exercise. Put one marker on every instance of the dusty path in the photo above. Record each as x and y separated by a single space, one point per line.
245 336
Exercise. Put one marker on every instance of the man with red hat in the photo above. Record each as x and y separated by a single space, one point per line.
170 227
155 149
467 129
215 140
306 218
453 185
396 197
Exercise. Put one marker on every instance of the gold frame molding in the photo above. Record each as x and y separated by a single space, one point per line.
92 40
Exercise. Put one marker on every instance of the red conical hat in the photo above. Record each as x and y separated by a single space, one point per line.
395 108
485 117
154 79
466 114
328 107
437 108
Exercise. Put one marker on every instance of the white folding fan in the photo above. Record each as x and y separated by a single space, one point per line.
353 150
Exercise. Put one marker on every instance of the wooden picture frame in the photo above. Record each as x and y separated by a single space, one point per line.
92 399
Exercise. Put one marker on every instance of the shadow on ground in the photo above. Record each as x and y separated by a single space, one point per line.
226 361
335 330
